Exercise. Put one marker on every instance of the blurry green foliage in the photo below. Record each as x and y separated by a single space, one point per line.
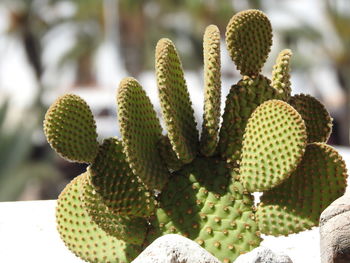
197 14
340 20
15 144
338 13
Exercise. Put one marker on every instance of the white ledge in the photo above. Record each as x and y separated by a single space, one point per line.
28 234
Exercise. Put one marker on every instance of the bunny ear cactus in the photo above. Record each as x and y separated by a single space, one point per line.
147 184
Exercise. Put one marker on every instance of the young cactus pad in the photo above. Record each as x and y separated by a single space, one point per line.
147 184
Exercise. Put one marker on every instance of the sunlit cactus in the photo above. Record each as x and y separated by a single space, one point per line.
147 184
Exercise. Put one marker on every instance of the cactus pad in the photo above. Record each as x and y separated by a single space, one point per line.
317 120
273 145
125 195
241 101
317 182
205 204
70 129
131 229
141 131
82 236
249 39
175 101
280 74
212 90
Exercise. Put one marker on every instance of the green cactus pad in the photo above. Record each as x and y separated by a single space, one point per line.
296 204
241 101
128 228
82 236
249 39
280 74
212 90
203 204
70 129
141 131
273 145
124 194
317 120
168 154
175 102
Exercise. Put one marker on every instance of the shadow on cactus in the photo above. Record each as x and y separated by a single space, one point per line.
147 184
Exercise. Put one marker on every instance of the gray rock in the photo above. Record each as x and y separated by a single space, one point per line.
263 255
335 231
175 249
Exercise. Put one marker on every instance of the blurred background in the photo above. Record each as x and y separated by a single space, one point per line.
51 47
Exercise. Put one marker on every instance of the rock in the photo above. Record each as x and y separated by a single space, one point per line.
335 231
263 255
175 249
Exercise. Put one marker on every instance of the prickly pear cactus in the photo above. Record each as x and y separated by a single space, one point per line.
146 184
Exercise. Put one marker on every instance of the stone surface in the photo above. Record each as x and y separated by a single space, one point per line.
263 255
175 249
335 231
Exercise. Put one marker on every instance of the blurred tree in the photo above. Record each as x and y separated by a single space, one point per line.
144 22
31 21
14 150
133 30
87 24
28 26
338 12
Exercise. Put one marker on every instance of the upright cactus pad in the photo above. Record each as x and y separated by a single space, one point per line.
70 129
280 74
249 39
141 132
175 101
273 145
212 90
147 184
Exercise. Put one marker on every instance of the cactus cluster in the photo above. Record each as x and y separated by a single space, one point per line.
148 184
